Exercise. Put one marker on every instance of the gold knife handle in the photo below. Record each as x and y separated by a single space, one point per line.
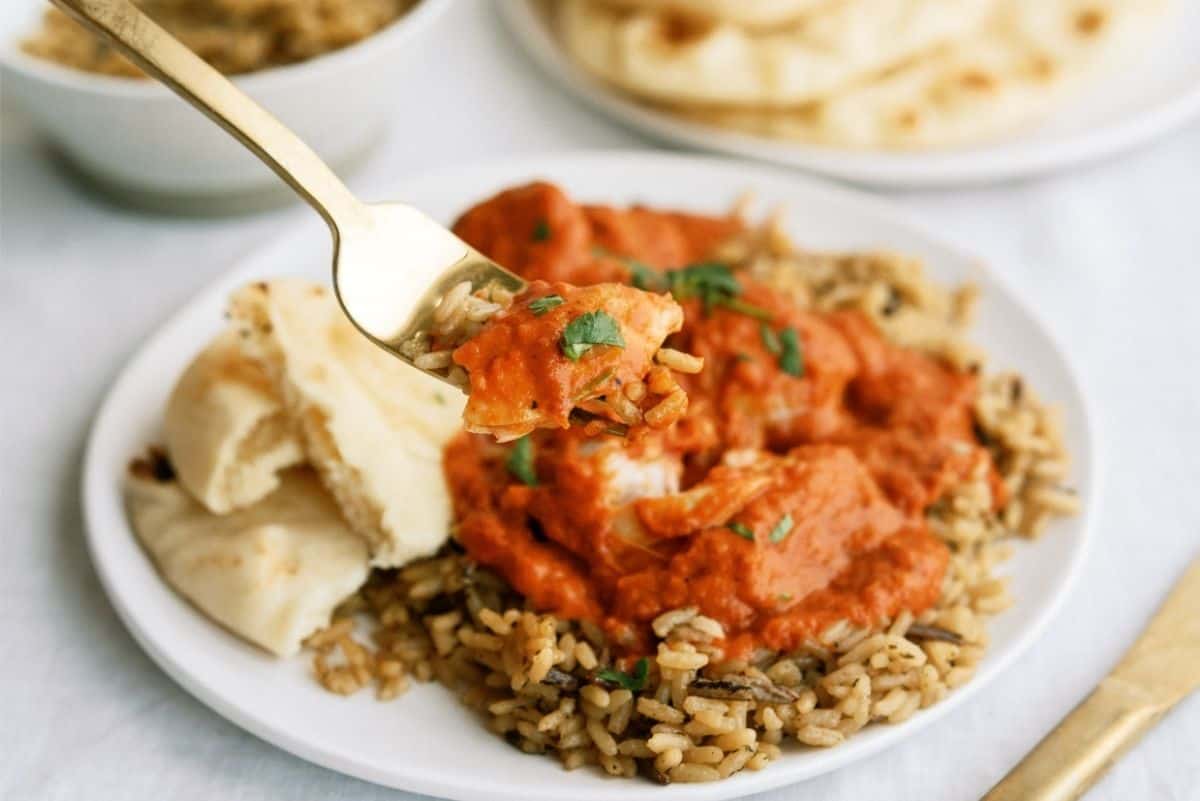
189 76
1161 669
1069 760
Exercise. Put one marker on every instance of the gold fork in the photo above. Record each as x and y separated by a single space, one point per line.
391 263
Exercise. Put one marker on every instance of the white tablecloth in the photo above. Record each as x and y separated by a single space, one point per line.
1110 255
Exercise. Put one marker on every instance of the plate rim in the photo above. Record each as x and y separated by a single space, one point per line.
980 165
96 490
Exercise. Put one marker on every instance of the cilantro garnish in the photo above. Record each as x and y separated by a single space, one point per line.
541 231
520 462
782 529
748 309
711 281
785 345
543 305
645 277
742 530
630 681
791 357
588 329
770 339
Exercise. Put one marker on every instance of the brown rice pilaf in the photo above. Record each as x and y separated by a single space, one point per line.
687 714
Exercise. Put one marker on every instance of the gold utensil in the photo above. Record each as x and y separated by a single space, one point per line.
391 263
1161 668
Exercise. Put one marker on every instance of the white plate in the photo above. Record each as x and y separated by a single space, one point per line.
425 741
1145 100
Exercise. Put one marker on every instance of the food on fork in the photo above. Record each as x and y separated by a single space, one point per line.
558 349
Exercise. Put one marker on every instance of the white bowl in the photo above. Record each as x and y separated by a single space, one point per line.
139 139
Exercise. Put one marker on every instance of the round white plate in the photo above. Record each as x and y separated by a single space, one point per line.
425 741
1146 99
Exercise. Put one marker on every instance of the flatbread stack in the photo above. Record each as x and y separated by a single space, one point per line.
855 73
298 456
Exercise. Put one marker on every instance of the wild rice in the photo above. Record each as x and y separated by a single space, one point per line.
536 679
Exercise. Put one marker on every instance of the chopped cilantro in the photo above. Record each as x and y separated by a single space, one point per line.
782 529
742 530
541 231
520 462
543 305
770 339
744 357
588 329
784 597
791 358
748 309
711 281
645 277
634 682
786 345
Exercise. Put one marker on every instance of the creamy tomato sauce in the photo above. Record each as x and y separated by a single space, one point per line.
522 379
791 495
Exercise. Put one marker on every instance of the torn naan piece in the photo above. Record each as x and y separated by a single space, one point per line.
372 426
272 573
664 58
1030 55
225 428
747 13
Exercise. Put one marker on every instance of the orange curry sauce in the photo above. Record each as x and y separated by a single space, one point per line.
784 500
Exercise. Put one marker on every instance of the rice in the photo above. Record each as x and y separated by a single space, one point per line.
545 685
462 312
234 36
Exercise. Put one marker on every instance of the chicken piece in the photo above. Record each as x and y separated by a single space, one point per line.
559 347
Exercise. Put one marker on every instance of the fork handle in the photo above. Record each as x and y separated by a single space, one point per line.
164 57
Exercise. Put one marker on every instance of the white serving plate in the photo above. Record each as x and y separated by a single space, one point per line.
1156 94
425 741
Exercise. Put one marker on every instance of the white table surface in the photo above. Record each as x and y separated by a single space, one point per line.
1110 255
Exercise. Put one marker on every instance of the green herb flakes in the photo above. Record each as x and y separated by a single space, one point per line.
543 305
588 329
782 529
541 231
791 357
646 278
742 530
711 281
770 339
521 462
634 682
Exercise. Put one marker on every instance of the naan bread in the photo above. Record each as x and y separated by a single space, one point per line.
272 573
747 13
226 430
1031 53
658 57
372 426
